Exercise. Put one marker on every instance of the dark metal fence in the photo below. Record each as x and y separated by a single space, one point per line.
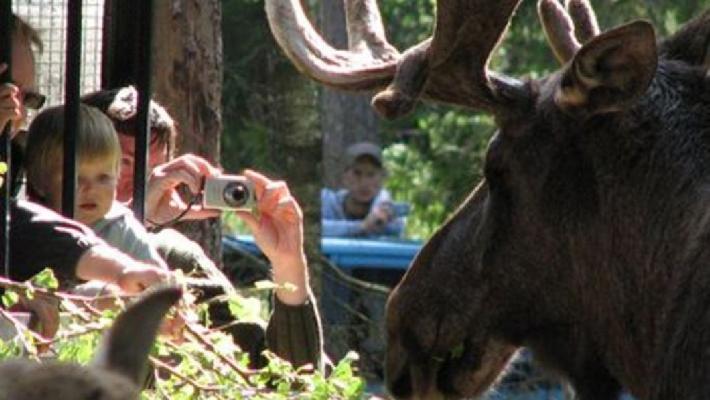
69 65
50 18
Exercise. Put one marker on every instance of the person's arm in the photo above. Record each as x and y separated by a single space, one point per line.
127 234
278 231
389 224
395 227
107 264
71 250
294 331
333 221
342 227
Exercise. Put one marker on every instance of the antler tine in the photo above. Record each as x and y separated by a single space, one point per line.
585 20
369 64
453 66
559 29
366 33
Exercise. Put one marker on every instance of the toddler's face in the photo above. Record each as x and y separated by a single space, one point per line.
95 191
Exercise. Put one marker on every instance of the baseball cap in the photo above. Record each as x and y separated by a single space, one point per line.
361 149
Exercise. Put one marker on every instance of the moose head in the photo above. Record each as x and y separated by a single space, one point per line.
587 241
118 369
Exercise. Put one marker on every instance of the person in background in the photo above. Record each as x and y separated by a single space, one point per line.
98 165
363 207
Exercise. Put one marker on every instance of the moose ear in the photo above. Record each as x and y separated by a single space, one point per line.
609 72
125 348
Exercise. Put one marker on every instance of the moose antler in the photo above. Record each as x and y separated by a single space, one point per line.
450 67
566 31
456 60
585 20
370 63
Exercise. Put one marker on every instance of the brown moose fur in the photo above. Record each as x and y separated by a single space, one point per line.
588 241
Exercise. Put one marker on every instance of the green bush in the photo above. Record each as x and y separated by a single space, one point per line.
203 363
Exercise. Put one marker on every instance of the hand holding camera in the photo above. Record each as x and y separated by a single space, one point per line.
277 226
163 203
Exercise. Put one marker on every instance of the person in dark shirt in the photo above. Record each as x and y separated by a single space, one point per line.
39 237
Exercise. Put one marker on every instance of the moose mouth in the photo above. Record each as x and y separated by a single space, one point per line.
456 376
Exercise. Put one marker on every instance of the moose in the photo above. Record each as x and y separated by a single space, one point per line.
588 240
119 366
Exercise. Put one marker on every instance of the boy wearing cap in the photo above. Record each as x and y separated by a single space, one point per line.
362 207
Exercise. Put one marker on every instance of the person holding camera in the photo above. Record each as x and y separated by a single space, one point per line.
363 207
293 331
163 203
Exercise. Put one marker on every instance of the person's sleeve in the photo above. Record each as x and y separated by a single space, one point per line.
294 333
41 238
345 227
180 252
139 243
383 196
395 227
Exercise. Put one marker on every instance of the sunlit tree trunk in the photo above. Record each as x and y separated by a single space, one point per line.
187 79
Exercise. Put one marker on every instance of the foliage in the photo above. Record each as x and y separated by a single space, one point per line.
203 363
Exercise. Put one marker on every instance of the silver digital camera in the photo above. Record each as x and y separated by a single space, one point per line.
229 192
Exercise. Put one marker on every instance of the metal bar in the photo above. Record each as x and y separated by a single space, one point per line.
5 152
143 83
71 101
110 51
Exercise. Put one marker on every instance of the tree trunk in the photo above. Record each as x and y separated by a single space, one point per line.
346 118
187 79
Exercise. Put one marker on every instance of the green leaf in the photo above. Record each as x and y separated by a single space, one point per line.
45 279
10 298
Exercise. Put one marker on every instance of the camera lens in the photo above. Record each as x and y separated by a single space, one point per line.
236 194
